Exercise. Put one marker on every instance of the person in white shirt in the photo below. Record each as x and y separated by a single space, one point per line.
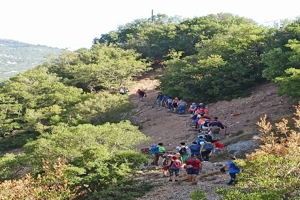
183 150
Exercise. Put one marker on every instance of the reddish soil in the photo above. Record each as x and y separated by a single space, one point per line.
239 115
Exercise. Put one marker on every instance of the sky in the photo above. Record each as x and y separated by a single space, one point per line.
73 24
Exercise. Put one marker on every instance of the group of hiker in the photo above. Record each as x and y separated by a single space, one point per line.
190 158
176 105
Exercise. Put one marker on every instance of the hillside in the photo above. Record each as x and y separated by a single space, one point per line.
16 57
239 115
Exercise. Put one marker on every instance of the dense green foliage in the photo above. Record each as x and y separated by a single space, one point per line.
101 67
69 109
16 57
224 68
154 37
282 58
214 57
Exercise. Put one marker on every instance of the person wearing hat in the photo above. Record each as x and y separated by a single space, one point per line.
232 170
193 167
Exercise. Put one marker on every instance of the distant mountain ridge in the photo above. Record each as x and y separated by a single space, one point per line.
16 57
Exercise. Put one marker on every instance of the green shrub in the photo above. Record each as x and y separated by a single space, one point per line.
15 142
198 195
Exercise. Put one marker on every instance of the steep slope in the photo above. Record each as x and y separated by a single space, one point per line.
239 115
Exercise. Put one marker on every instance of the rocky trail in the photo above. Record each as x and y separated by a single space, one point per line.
210 179
239 115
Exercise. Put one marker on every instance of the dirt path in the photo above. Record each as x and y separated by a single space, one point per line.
239 115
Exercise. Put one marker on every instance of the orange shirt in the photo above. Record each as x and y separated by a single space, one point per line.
202 119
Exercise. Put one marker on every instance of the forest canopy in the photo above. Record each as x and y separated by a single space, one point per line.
214 57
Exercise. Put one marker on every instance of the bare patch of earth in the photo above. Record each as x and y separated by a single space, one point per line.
239 115
241 136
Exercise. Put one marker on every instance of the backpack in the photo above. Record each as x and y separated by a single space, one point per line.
154 149
208 146
176 164
165 162
183 151
195 148
199 140
206 123
215 129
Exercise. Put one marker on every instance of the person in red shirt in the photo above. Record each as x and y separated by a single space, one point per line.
141 94
174 103
193 167
218 145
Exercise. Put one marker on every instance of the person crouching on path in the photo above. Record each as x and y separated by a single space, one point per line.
193 167
174 168
181 106
232 170
192 108
141 94
174 103
169 101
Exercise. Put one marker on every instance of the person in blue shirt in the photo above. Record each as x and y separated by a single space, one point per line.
169 101
232 170
164 100
195 150
200 140
159 99
216 122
